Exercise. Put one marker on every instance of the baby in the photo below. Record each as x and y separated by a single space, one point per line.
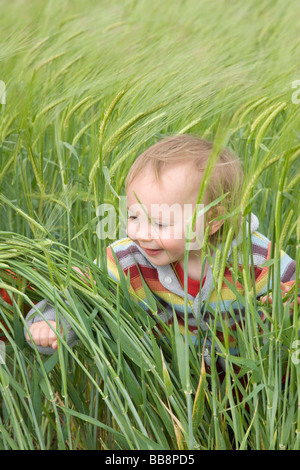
168 229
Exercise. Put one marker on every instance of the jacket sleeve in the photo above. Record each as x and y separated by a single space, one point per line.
261 247
45 311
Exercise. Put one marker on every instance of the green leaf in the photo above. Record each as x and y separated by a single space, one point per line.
180 351
268 263
245 363
166 377
49 363
36 395
198 408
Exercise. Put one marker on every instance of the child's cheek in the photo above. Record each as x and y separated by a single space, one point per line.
131 231
172 237
177 233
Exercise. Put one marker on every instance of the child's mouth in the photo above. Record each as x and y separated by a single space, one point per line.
150 252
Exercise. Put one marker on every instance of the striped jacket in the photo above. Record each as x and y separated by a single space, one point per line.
217 300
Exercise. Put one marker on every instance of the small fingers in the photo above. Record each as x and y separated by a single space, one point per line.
42 334
266 299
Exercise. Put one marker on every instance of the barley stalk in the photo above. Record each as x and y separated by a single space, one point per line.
48 61
120 134
108 113
49 107
74 109
107 82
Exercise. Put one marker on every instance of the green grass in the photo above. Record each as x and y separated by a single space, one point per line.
89 85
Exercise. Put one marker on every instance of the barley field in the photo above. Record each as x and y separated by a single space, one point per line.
84 88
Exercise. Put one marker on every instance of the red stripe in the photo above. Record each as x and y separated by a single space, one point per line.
193 284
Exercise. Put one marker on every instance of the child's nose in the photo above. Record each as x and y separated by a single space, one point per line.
144 232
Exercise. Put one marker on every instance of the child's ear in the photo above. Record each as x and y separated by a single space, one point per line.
216 222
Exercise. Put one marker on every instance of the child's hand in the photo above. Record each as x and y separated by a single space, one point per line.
83 276
42 334
286 292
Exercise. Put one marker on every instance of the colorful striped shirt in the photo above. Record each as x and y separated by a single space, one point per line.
218 300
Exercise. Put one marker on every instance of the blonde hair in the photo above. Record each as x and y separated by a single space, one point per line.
226 176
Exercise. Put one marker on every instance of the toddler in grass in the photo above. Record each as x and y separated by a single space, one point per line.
162 183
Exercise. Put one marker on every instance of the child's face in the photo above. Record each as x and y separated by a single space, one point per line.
158 211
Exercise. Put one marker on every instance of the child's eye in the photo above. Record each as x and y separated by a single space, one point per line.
160 225
132 217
